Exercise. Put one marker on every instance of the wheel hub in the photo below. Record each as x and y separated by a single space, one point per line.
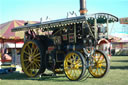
72 66
31 58
98 65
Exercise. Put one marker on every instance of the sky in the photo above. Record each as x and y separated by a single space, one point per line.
33 10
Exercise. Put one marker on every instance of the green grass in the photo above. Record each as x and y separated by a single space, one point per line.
118 75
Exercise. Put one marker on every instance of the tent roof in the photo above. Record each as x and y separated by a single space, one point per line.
5 29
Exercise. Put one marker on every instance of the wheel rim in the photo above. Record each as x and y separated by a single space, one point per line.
99 65
73 66
30 59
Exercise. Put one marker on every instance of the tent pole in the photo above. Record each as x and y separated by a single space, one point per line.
15 54
0 53
3 47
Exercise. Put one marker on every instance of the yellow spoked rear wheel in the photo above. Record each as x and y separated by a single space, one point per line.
100 65
31 58
74 65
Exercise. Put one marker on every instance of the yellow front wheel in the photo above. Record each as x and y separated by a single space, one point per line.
100 64
32 58
74 65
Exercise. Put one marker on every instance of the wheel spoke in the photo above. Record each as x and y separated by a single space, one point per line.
32 66
25 60
27 63
99 57
94 58
37 60
26 52
75 74
38 63
100 70
103 66
35 51
79 65
36 55
74 57
79 70
103 70
78 61
71 71
29 48
69 60
26 56
96 70
28 66
102 60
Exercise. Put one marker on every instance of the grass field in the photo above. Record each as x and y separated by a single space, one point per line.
118 75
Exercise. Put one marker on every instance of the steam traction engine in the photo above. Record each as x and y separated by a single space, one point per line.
66 46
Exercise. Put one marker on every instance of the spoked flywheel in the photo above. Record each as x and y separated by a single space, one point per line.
100 65
74 65
32 58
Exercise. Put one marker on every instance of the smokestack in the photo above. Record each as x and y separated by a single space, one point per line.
83 9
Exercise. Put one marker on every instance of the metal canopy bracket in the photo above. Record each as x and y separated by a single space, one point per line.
101 18
96 29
